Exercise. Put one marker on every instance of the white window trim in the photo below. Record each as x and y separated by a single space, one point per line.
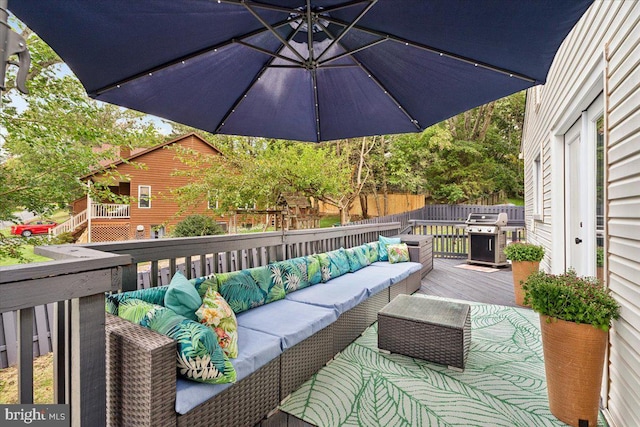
538 188
140 198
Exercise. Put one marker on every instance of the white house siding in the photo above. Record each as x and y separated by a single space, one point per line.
602 53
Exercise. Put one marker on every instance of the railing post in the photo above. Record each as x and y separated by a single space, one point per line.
88 372
25 355
60 337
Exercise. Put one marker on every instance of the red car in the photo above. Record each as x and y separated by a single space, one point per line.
35 226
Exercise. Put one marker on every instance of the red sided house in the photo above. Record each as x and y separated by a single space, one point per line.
151 211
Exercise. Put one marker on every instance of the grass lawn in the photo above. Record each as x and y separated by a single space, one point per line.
42 381
26 250
329 220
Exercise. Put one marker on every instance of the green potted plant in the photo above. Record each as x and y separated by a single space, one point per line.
575 317
525 259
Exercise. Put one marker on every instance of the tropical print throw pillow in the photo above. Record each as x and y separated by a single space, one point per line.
202 284
313 270
398 253
325 264
151 295
373 251
249 288
291 274
358 258
339 263
199 356
217 315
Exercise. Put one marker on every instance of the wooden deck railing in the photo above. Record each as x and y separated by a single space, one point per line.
450 239
76 283
70 224
234 251
80 275
110 210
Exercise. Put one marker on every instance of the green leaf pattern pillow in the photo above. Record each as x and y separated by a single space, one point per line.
398 253
373 251
199 357
217 315
202 284
325 266
313 270
339 263
249 288
151 295
358 258
291 274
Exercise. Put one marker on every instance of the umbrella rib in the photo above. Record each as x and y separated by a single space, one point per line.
314 81
310 58
273 31
268 52
241 98
380 85
348 27
184 58
432 49
351 52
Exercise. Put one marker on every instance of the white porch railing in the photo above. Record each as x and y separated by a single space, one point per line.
110 210
70 224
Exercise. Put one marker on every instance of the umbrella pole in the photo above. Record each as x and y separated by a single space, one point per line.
12 43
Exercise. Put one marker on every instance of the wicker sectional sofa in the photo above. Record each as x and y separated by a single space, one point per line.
281 344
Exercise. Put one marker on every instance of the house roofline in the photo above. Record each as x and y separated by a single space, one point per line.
150 149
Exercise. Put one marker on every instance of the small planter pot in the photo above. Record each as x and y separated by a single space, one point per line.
521 271
574 361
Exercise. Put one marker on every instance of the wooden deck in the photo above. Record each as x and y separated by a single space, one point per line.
445 280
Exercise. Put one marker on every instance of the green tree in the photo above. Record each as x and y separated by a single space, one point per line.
258 171
56 135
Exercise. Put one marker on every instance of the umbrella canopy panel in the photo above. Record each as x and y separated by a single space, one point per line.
302 70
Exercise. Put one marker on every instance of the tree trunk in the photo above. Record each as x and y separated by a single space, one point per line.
364 207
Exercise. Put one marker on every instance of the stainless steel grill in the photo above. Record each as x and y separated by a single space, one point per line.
486 238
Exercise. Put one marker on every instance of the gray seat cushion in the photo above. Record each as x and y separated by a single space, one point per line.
291 321
398 271
339 294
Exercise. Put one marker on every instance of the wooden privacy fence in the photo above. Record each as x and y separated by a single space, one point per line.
456 214
396 203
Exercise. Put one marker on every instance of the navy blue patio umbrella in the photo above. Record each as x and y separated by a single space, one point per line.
300 69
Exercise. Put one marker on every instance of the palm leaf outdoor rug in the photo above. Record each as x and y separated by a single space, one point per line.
503 383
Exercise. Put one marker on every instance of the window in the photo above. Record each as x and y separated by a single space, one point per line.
538 190
212 202
144 196
157 231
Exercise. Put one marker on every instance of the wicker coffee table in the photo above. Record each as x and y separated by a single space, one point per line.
434 330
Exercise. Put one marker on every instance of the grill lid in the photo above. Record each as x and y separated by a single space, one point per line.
478 218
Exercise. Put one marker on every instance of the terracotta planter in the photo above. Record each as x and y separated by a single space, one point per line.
573 362
521 271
